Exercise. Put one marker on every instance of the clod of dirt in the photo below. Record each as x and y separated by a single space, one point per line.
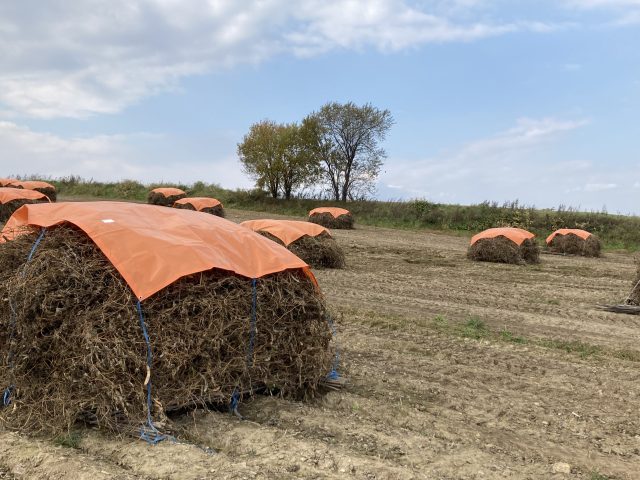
561 467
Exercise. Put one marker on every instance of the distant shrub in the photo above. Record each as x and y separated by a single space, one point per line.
615 231
129 189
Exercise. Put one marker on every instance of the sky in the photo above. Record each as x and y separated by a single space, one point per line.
493 100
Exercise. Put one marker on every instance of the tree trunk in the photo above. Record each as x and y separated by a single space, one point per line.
274 188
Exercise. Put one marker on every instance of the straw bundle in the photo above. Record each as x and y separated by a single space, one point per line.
78 352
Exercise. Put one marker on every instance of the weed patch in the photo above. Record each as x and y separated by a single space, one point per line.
69 440
475 328
583 349
507 336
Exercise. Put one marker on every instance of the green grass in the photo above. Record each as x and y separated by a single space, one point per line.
475 328
440 322
70 440
616 231
583 349
507 336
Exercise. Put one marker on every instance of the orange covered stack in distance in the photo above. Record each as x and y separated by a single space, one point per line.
168 191
11 199
5 182
331 217
9 194
287 231
516 235
199 203
335 212
583 234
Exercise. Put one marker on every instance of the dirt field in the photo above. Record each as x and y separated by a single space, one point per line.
456 370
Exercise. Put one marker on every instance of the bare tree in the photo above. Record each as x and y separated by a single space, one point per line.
346 140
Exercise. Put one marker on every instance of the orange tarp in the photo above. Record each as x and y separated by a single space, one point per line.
168 191
286 230
154 246
10 194
583 234
516 235
334 211
199 202
31 185
5 182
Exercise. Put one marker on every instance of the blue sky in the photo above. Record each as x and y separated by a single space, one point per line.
493 100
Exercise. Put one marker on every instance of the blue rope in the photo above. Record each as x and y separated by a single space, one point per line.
6 394
149 433
35 245
333 374
235 400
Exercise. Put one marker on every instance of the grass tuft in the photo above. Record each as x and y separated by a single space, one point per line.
69 440
475 328
507 336
573 346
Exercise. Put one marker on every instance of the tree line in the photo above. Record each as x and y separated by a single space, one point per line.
335 151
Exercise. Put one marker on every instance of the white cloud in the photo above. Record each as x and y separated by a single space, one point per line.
522 162
627 11
140 156
487 160
599 187
73 59
604 3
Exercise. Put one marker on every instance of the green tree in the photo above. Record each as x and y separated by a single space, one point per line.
300 167
259 153
278 158
345 139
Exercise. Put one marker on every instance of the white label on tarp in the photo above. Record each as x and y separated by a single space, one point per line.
108 220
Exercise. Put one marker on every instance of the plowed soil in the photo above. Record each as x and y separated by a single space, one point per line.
456 370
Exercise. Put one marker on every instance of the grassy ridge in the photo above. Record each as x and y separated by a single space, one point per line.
616 231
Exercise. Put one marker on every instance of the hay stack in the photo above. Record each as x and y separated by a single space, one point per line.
330 217
79 352
5 182
503 250
165 197
504 245
7 209
201 204
12 199
634 296
37 186
312 243
574 242
321 251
